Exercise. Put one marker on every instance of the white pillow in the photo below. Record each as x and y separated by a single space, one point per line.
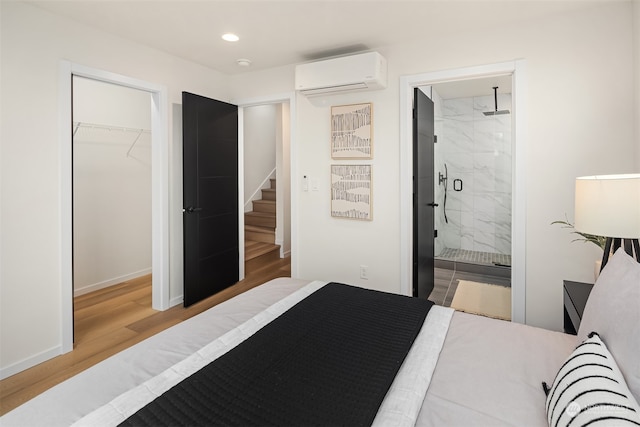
590 390
613 309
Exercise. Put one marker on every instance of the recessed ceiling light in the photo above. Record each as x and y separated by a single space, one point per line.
243 62
230 37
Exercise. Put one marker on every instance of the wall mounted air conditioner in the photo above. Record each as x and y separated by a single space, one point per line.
364 71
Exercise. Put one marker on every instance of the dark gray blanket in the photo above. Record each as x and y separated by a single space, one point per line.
329 360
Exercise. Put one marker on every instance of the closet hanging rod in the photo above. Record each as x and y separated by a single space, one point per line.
78 125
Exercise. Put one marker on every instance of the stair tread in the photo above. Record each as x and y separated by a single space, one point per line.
255 249
258 229
264 214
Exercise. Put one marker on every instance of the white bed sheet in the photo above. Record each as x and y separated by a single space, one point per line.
490 373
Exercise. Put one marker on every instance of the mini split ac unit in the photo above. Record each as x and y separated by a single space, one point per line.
365 71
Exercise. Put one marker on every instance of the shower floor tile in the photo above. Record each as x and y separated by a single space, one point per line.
475 257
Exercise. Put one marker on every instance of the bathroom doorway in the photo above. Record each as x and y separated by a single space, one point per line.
514 205
472 184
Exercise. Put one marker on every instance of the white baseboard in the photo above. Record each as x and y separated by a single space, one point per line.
176 301
30 362
110 282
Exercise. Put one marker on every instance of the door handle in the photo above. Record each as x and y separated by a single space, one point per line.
432 204
191 209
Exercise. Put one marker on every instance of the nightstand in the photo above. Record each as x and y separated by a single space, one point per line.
575 299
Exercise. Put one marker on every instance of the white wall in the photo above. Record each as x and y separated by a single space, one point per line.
111 184
109 104
33 44
636 56
259 149
283 179
580 121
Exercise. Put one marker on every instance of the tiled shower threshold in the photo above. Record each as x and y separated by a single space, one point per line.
475 262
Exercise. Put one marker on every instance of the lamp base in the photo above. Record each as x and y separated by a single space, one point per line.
612 245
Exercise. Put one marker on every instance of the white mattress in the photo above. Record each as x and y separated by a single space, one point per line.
489 371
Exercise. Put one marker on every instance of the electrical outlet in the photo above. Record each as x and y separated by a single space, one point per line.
364 272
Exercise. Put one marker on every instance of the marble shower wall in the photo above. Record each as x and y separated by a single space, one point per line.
477 150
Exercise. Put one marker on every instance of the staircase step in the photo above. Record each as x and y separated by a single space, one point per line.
260 219
268 206
273 183
258 254
268 194
259 234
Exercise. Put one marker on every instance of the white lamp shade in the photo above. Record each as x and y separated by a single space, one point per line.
608 205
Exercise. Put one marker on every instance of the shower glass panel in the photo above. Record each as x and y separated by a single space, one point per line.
473 154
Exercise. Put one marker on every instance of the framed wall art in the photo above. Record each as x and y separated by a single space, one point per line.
351 192
351 131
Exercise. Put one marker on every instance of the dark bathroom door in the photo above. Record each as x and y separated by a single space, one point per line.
423 195
210 196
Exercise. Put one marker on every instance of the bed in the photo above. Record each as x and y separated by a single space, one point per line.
461 370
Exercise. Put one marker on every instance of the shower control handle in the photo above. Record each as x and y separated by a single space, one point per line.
442 178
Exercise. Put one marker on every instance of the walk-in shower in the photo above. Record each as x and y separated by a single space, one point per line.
473 181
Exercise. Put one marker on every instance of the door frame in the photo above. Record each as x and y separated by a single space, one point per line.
159 187
517 70
289 97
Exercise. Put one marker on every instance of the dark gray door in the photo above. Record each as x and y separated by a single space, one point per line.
423 195
210 195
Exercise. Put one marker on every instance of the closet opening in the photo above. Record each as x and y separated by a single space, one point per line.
159 179
112 244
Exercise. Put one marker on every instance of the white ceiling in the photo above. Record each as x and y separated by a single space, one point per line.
474 87
277 32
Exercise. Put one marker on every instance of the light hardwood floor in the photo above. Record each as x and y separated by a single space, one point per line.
112 319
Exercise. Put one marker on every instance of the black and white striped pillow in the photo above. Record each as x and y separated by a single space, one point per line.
590 390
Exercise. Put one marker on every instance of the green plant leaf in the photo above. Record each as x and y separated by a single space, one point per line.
599 241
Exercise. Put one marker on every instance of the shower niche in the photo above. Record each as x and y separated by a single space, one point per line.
473 167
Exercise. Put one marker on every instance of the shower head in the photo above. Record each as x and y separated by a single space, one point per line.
496 112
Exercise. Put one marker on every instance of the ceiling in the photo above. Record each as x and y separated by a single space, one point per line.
280 32
474 87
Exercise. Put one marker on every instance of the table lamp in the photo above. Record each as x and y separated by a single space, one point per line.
609 206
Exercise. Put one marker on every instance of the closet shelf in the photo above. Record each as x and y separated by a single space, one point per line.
139 132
